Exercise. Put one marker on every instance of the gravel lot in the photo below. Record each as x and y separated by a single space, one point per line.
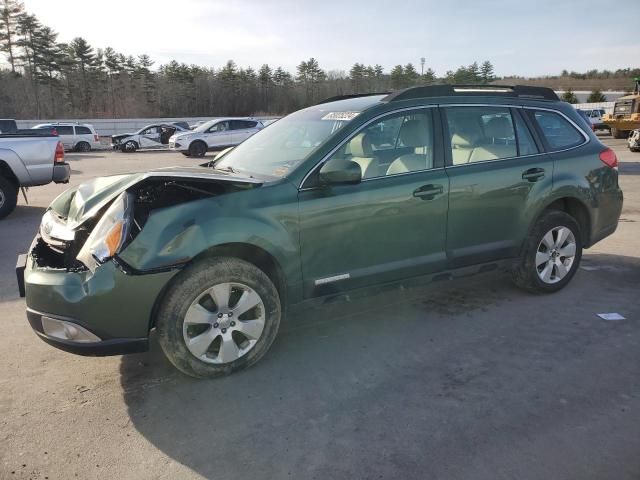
473 379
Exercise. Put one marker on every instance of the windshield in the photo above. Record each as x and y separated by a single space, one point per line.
277 149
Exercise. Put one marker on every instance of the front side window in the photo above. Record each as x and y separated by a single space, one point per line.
399 143
219 127
479 134
151 131
557 130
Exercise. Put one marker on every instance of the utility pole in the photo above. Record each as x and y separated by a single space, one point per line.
422 62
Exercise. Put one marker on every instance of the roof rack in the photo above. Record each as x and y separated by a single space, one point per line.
523 91
347 97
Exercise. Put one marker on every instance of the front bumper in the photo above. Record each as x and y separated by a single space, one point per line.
111 304
61 173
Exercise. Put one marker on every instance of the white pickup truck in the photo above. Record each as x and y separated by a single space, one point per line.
27 160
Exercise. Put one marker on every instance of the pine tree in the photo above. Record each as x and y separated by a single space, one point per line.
596 96
569 96
397 77
410 74
486 72
10 12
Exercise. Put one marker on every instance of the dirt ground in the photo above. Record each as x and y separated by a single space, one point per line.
467 380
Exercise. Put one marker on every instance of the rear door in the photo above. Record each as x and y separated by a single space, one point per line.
242 129
390 226
84 134
498 176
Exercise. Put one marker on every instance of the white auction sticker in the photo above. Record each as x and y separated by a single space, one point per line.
344 116
611 316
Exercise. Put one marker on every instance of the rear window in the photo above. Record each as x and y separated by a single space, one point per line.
83 131
7 126
558 131
623 107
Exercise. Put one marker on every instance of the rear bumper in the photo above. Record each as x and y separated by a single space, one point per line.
114 346
61 172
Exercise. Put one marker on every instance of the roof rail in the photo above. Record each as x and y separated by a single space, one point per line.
347 97
466 90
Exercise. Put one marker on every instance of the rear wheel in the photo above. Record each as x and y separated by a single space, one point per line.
221 315
198 149
83 147
8 197
552 254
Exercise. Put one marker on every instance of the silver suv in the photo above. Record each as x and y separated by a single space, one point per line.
75 137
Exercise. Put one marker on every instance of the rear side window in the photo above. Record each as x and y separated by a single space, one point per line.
557 130
478 134
526 145
242 124
64 129
83 131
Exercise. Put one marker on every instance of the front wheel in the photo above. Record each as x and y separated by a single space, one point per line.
198 149
130 147
552 254
221 315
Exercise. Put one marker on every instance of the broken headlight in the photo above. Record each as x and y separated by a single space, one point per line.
109 234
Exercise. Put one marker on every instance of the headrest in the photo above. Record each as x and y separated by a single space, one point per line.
466 132
413 134
499 127
360 146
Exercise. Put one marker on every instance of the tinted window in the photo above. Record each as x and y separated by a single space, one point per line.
83 131
399 143
478 134
7 126
242 124
64 129
557 130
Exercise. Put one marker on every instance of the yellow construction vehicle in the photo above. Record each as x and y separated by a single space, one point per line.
626 114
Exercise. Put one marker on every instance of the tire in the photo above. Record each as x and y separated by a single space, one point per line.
189 297
533 267
198 149
8 197
129 147
617 133
83 147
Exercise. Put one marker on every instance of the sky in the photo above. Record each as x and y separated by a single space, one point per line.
526 38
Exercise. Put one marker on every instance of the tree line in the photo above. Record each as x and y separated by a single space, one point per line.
45 78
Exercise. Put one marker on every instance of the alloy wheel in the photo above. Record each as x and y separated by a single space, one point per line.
555 255
224 323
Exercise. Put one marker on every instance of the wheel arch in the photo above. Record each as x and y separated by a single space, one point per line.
250 253
7 172
574 207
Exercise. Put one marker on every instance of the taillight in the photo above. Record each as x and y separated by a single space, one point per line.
59 156
54 132
96 137
608 157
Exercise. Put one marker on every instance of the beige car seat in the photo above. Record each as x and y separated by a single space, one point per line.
498 129
362 154
415 135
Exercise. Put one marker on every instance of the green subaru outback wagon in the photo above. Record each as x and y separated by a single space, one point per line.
356 192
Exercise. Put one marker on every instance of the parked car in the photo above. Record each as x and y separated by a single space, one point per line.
634 141
28 160
75 137
214 135
586 119
421 184
154 136
595 117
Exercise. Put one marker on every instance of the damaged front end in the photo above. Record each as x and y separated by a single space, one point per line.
90 225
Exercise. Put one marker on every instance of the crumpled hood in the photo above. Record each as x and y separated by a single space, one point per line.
121 135
80 203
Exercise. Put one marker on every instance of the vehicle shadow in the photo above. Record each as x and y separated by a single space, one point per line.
368 388
72 156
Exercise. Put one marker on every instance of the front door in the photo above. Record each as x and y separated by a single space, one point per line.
150 138
498 176
218 135
390 226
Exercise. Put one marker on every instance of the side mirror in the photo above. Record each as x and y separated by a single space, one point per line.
340 172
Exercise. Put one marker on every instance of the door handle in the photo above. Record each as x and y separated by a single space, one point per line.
428 192
533 174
